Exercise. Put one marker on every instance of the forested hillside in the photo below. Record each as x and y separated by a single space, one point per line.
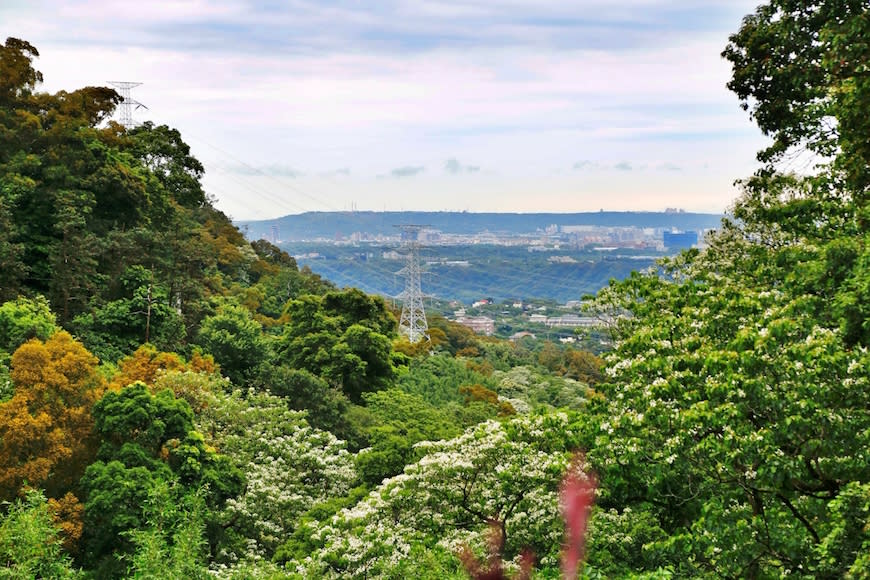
177 402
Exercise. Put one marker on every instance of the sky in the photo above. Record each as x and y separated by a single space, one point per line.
442 105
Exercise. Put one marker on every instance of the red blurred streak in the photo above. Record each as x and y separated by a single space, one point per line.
577 495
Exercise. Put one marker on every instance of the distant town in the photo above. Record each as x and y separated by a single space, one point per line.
614 228
507 275
550 238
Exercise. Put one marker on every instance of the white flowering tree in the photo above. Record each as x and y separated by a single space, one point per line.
289 466
524 388
737 405
736 411
501 474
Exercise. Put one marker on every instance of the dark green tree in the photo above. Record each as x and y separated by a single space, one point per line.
341 338
325 405
141 315
167 157
235 340
147 441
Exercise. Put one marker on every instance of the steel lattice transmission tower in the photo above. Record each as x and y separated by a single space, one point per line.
412 323
125 108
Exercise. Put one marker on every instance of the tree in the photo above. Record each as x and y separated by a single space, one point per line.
168 157
583 366
23 319
710 380
353 306
46 427
117 496
399 421
799 68
525 387
551 358
795 67
10 251
734 407
341 338
455 336
324 405
289 467
144 365
30 545
141 315
173 543
148 441
437 379
235 340
506 474
19 78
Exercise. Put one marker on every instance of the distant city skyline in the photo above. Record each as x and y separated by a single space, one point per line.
501 105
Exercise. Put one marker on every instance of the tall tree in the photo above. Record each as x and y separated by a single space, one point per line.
343 337
235 340
162 150
46 427
737 391
148 441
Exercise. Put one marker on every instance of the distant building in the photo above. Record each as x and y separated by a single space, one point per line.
571 321
410 235
680 240
541 318
479 324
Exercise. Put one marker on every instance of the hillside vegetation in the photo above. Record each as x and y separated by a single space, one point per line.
178 402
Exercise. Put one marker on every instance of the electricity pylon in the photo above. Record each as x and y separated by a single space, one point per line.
412 323
125 107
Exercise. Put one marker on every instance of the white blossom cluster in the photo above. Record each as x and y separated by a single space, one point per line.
710 387
526 389
508 473
289 466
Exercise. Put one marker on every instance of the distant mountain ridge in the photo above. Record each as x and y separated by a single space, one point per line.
328 225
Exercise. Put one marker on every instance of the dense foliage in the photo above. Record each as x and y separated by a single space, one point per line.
737 399
178 402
